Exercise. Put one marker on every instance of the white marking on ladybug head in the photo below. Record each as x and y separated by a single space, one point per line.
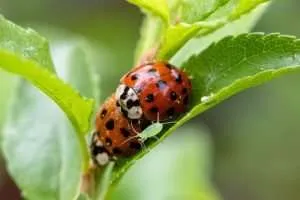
102 158
135 112
129 102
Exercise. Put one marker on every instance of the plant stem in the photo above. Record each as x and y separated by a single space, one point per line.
103 186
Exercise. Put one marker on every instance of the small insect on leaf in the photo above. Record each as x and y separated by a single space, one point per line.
151 131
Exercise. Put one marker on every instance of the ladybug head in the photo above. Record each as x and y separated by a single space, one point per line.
129 102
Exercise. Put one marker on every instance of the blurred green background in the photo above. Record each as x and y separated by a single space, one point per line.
247 147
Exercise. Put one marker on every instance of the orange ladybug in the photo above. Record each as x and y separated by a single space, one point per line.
113 129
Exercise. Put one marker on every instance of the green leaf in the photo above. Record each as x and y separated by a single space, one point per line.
103 181
194 10
156 7
245 6
197 45
176 36
228 67
25 53
83 197
169 171
39 140
42 154
6 91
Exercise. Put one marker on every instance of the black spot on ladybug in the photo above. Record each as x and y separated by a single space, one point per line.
117 150
129 104
184 91
108 141
173 96
117 104
136 103
171 112
134 77
149 98
186 100
125 132
152 71
103 113
124 94
168 65
161 84
125 113
178 79
98 149
110 124
154 110
135 145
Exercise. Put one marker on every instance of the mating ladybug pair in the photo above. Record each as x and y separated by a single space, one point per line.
151 92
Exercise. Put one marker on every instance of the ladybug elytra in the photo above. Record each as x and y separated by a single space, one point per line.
154 91
112 130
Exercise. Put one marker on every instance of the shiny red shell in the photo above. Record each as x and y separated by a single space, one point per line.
163 90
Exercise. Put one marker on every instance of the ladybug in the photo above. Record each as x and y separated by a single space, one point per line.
155 91
113 129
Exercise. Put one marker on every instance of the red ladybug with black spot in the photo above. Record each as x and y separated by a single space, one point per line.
154 91
113 129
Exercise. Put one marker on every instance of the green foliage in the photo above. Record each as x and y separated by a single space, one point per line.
156 7
38 142
239 26
42 154
83 197
178 173
38 139
25 53
224 12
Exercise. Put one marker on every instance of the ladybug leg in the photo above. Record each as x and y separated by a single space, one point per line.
132 127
